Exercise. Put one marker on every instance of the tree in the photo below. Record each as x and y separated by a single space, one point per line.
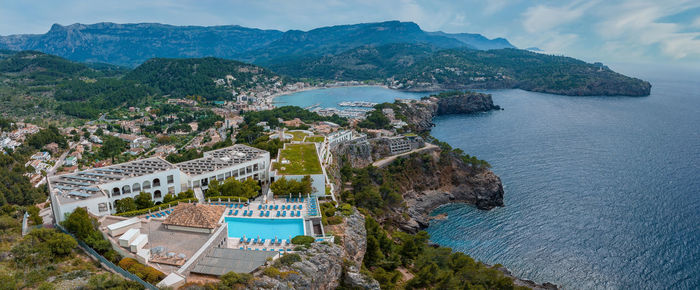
79 223
125 204
143 200
112 147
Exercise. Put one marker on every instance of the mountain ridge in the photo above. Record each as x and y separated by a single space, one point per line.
131 44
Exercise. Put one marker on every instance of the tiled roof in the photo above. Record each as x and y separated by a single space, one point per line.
195 215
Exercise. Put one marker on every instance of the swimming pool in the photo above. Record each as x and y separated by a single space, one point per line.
264 228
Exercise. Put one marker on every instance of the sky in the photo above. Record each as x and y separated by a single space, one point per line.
641 31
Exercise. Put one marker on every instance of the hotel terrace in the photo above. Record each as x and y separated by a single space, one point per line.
98 189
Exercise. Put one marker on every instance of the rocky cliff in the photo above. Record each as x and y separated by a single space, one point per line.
441 178
420 113
325 265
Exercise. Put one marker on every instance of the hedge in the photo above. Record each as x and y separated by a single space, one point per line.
302 240
147 273
155 208
225 198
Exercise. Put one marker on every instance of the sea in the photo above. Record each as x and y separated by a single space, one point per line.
600 192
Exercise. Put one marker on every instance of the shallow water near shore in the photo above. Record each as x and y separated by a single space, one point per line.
600 192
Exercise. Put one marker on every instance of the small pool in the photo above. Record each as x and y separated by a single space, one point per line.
265 228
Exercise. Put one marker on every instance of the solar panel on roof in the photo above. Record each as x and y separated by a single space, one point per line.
73 182
83 178
80 194
95 174
109 169
90 188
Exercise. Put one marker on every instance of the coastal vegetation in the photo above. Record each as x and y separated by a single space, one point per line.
284 187
432 267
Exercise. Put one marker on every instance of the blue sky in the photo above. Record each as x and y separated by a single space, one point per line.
665 31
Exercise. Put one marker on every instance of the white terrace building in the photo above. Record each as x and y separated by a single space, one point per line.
98 189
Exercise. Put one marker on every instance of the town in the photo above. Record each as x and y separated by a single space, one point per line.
192 189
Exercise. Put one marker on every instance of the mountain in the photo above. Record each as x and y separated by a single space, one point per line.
132 44
477 41
426 68
336 39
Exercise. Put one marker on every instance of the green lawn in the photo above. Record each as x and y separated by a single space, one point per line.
302 160
298 135
315 139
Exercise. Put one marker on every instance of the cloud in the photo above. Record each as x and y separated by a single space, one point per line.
637 24
543 18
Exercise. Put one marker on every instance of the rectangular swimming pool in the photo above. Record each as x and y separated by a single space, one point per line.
265 228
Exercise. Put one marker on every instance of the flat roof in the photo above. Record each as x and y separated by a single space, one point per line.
84 184
220 261
221 158
298 159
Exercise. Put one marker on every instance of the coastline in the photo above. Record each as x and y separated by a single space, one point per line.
271 98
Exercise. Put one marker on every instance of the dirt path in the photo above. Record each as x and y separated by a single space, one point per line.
387 160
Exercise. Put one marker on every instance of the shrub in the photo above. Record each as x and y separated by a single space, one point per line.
335 220
147 273
155 208
271 272
289 259
302 240
231 279
346 209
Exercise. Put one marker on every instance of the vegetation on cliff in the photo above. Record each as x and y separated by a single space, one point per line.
431 267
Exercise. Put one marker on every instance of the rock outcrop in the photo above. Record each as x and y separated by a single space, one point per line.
445 179
420 113
326 265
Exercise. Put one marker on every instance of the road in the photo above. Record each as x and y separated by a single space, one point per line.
387 160
59 163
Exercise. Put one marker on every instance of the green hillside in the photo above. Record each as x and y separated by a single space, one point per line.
421 67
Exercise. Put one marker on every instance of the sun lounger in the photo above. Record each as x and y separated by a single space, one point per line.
298 213
262 241
235 212
284 213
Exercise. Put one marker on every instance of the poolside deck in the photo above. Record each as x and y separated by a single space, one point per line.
279 208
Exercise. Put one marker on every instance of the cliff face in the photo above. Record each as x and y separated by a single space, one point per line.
441 179
325 266
420 114
465 104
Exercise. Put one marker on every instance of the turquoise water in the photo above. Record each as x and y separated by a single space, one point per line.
264 228
329 98
600 192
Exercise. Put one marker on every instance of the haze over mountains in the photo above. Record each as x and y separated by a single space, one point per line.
132 44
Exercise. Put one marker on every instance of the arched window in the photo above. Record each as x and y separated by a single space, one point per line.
157 194
146 185
126 189
115 191
156 182
136 187
115 203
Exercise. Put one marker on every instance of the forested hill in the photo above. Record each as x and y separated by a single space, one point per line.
426 68
39 85
198 76
132 44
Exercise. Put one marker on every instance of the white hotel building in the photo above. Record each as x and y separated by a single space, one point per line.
98 189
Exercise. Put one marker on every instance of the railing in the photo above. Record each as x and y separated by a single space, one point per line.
107 263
